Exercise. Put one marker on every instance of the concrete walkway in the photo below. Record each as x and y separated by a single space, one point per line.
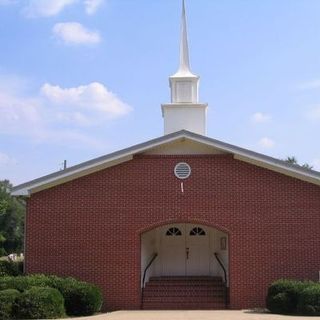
192 315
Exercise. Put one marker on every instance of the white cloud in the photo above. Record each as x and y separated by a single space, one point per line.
18 114
11 83
260 117
91 6
68 137
266 143
86 104
57 116
46 8
313 84
74 33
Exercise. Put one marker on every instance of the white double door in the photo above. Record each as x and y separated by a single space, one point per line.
185 250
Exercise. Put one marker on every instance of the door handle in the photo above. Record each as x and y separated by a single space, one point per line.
187 253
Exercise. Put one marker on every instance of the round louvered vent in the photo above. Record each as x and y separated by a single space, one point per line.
182 170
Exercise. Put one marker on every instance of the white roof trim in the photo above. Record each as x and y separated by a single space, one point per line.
26 189
48 181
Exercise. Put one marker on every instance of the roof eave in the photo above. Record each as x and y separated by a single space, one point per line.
26 189
127 154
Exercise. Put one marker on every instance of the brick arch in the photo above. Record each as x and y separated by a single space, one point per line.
191 221
200 222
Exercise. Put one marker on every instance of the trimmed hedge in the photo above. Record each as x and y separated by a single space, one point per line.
11 268
309 301
39 303
80 298
280 303
294 297
7 299
283 295
22 283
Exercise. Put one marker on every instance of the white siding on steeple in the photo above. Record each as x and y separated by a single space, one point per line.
184 117
184 112
184 90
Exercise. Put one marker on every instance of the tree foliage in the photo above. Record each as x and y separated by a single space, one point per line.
12 212
293 160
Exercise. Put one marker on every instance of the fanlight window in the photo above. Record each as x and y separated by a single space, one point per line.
173 232
197 231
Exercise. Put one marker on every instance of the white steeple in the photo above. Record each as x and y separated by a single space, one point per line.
184 111
184 68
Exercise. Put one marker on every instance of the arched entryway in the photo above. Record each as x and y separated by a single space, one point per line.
185 252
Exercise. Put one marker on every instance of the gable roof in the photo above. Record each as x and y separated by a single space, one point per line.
112 159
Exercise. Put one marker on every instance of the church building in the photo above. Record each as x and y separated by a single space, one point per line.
182 221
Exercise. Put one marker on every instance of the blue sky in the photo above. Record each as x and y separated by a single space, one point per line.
82 78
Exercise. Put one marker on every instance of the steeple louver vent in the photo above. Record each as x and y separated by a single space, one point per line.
182 170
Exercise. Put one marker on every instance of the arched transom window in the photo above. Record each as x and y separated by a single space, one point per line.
197 231
174 231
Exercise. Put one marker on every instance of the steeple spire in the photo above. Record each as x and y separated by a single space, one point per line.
184 112
184 48
184 67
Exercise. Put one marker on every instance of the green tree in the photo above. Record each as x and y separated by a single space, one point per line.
12 212
293 160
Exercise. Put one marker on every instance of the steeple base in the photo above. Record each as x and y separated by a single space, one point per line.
178 116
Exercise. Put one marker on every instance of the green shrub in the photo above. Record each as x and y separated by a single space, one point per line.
309 301
81 298
283 295
11 268
22 283
39 303
7 299
19 283
279 303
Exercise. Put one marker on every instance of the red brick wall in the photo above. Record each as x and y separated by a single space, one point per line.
90 228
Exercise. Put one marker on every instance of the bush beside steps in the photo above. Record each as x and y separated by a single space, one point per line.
294 297
309 302
47 297
39 303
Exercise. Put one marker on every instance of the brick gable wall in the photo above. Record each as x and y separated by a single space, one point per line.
90 228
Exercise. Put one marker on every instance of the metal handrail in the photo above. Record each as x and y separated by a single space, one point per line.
225 278
154 256
147 267
222 266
